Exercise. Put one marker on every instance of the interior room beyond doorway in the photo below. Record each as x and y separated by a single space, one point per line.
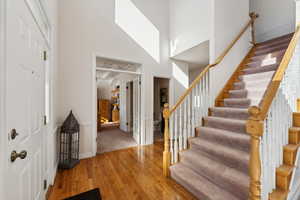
118 96
161 97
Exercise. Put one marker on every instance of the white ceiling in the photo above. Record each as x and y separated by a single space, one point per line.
116 65
197 56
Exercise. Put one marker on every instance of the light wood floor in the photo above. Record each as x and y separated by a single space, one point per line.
129 174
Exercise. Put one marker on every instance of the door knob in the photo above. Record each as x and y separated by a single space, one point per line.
14 155
13 134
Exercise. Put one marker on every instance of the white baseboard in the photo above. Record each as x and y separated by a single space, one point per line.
53 174
86 155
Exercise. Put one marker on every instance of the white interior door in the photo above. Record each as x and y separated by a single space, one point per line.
137 110
129 94
25 103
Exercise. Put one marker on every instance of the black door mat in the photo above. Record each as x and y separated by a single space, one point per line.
89 195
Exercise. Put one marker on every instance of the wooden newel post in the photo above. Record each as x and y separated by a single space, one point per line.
166 154
255 128
253 17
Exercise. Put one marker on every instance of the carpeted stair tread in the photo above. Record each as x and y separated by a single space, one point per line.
229 156
257 76
225 138
234 125
284 38
216 165
198 185
221 175
283 44
247 93
241 102
265 62
226 112
251 84
253 70
273 45
278 47
262 57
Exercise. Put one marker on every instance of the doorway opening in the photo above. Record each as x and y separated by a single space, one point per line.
161 97
118 104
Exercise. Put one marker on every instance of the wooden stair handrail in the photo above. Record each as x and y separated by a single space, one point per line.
273 87
167 111
253 17
255 123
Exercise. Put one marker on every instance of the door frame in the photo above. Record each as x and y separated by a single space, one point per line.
96 55
3 136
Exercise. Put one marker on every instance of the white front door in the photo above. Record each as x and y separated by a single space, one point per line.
25 103
137 110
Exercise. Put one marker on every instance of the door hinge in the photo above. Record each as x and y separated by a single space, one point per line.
45 184
45 55
45 120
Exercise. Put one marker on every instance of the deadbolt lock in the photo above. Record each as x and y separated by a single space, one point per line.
14 155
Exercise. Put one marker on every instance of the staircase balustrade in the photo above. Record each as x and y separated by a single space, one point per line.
269 123
182 119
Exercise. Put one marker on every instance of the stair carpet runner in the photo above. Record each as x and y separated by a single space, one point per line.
216 166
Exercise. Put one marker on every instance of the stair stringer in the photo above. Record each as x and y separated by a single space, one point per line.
224 92
294 191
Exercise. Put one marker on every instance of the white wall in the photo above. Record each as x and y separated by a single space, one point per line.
226 15
104 88
276 18
122 106
190 22
97 30
297 12
180 81
194 73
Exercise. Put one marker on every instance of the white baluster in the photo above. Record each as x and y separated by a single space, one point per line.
197 105
189 121
184 124
171 125
193 112
180 127
176 147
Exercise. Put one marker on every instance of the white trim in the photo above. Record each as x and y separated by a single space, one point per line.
3 138
94 105
96 55
116 70
86 155
40 17
53 171
53 174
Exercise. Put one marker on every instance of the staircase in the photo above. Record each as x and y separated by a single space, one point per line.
284 172
216 165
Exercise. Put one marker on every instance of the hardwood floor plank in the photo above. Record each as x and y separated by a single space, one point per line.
133 174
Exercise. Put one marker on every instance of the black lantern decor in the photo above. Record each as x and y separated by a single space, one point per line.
69 143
